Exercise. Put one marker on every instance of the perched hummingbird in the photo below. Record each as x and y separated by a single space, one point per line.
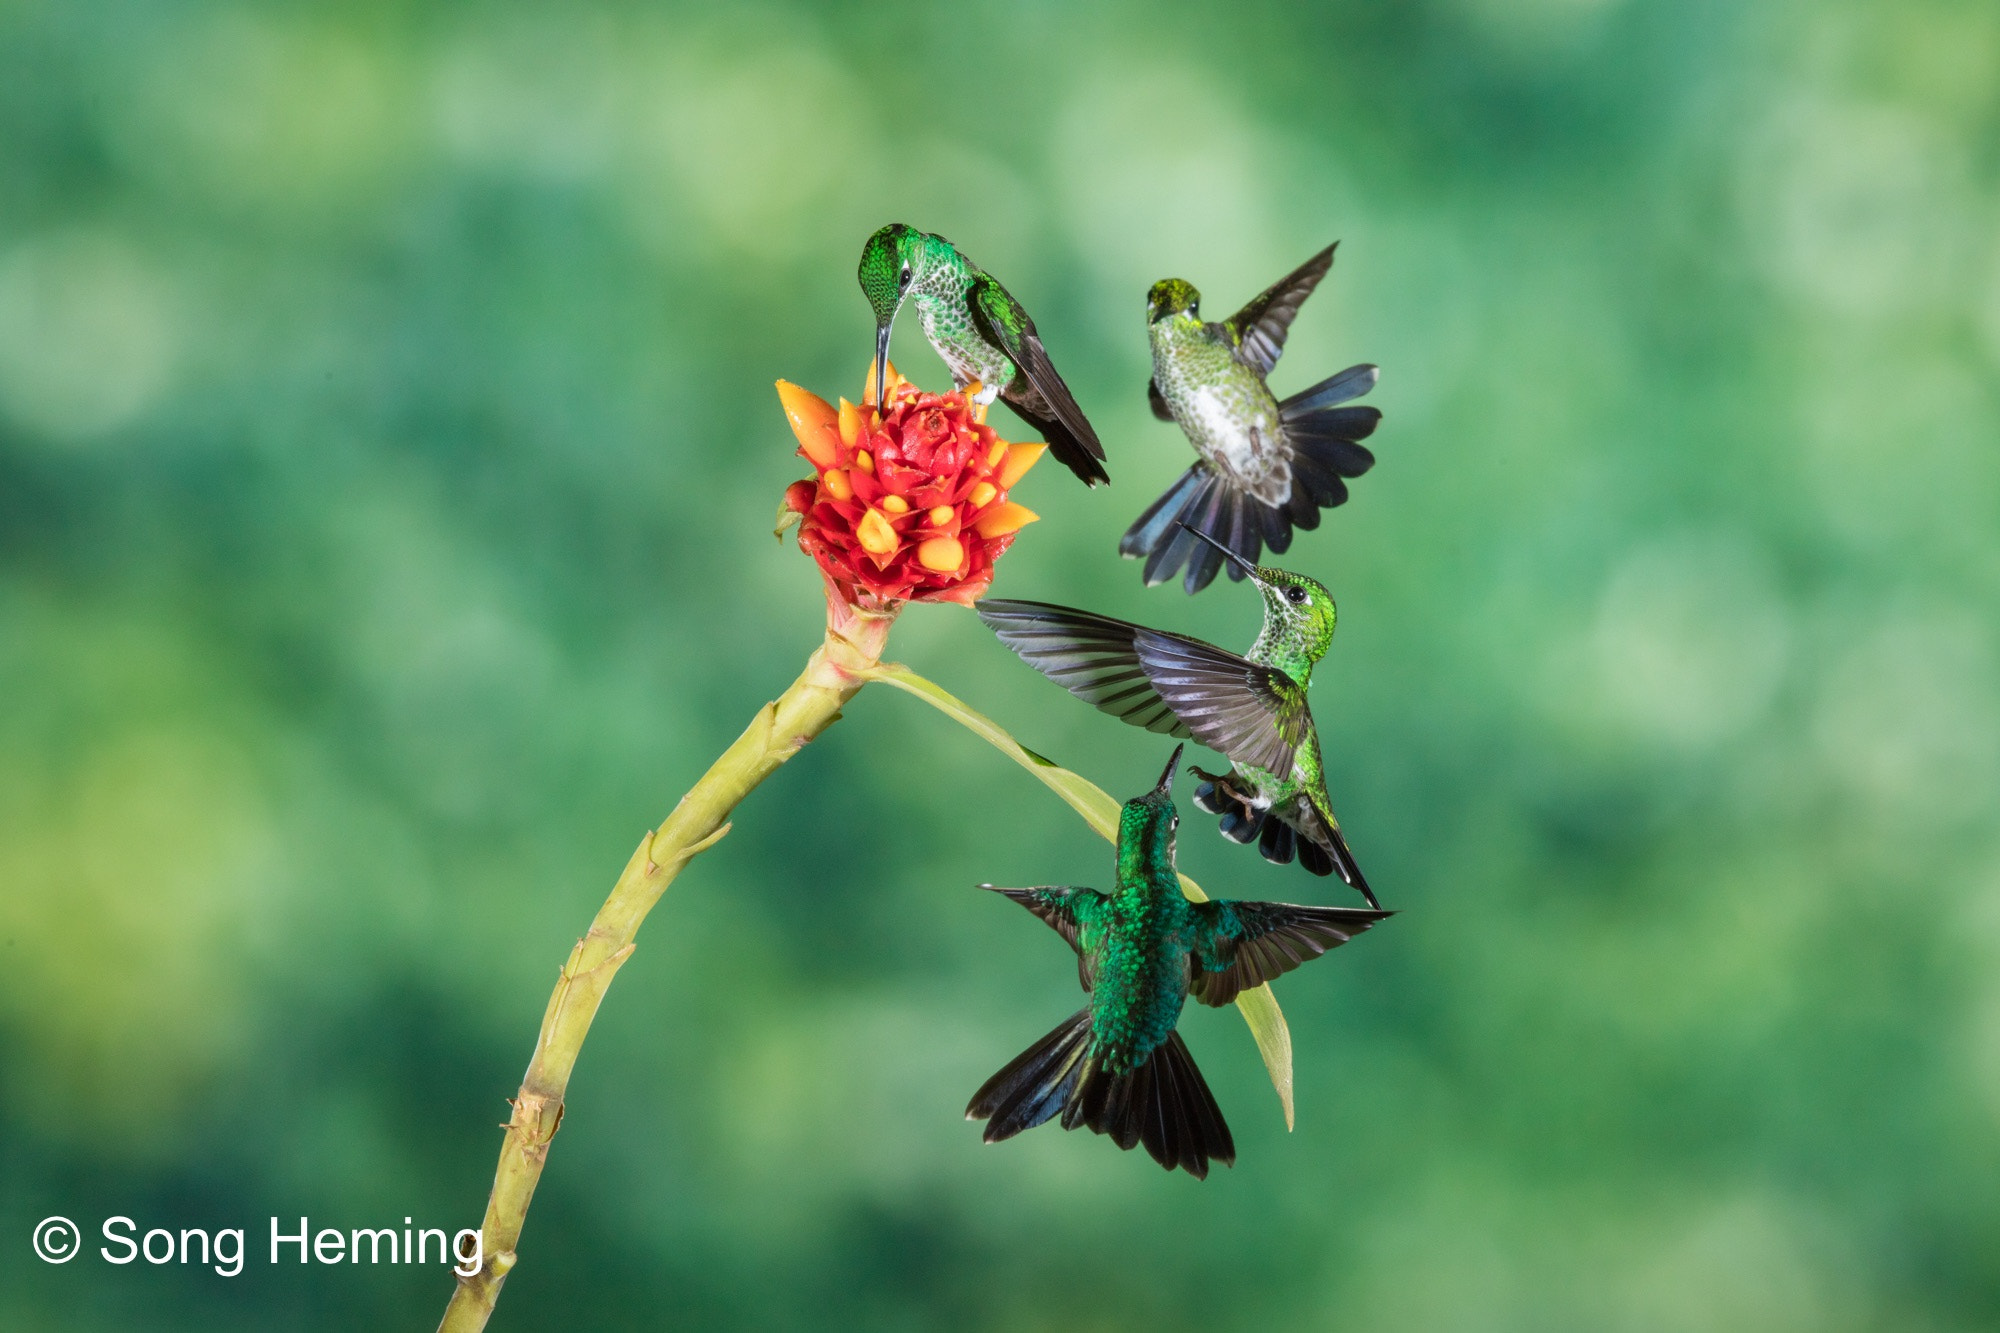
1266 466
981 332
1117 1065
1251 709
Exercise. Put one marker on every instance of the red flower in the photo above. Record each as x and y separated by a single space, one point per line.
908 505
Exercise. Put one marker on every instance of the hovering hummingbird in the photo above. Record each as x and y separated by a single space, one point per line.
981 332
1251 709
1266 466
1117 1065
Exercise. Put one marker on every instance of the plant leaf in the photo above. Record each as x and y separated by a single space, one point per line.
1258 1006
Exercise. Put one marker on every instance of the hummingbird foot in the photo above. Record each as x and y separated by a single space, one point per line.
1205 799
1242 818
980 397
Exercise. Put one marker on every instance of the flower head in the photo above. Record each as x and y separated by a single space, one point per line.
909 504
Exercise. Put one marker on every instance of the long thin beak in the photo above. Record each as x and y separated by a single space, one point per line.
1227 554
1165 787
882 362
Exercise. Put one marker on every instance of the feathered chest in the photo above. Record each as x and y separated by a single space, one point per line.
943 306
1222 406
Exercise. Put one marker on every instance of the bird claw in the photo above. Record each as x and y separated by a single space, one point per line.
976 395
1218 794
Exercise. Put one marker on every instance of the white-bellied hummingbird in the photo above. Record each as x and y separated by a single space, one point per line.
1266 465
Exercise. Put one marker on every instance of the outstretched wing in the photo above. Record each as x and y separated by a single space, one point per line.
1089 655
1259 329
1071 912
1163 682
1254 714
1002 321
1239 945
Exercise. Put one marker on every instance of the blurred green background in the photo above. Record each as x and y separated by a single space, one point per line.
387 463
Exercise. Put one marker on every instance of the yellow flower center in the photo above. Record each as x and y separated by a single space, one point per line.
875 534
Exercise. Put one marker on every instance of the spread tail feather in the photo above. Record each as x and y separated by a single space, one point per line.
1164 1104
1201 501
1324 438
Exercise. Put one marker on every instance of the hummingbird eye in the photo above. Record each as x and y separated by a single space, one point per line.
1296 596
903 279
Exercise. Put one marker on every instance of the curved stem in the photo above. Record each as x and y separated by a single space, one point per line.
834 673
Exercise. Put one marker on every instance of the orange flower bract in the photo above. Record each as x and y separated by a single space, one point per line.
908 504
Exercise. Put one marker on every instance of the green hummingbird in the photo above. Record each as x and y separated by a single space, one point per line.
982 333
1266 466
1117 1065
1252 709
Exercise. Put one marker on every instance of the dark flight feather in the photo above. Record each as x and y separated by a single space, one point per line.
1319 831
1037 393
1163 1104
1246 944
1259 329
1164 682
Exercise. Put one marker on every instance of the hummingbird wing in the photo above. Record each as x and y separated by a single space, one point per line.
1070 912
1239 945
1038 392
1253 713
1258 330
1089 655
1168 683
1158 401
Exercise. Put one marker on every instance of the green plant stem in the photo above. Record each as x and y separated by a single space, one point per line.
834 673
849 658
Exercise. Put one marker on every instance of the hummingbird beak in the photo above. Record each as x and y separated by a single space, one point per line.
882 361
1166 783
1248 569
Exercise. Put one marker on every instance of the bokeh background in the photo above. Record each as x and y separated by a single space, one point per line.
387 464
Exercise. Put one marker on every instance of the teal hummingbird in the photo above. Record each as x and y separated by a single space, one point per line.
982 333
1266 465
1117 1065
1251 709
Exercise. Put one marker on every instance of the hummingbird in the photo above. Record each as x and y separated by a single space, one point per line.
1251 709
1266 466
1117 1065
982 333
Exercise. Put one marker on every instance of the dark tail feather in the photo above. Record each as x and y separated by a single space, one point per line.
1325 439
1035 1084
1328 434
1143 537
1200 502
1178 1120
1164 1103
1351 383
1073 453
1279 843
